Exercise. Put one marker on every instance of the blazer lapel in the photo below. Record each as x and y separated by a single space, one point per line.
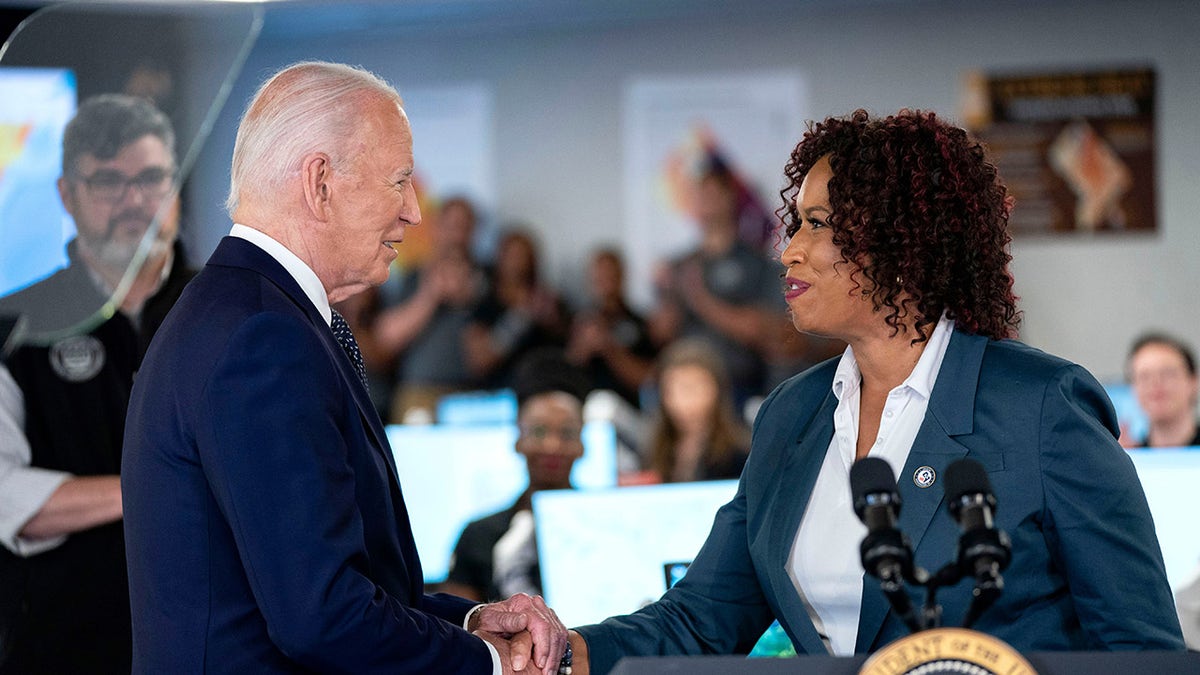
950 413
794 489
237 252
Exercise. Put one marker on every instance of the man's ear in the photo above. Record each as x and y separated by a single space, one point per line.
67 195
317 174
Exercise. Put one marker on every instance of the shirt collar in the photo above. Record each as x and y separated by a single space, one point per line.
925 373
297 268
847 377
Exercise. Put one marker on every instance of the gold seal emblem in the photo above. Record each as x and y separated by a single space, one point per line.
947 650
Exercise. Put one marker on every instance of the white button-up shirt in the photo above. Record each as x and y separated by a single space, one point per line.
824 563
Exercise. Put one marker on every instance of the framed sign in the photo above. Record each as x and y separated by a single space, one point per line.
1076 149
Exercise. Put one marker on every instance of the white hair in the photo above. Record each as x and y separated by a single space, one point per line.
307 107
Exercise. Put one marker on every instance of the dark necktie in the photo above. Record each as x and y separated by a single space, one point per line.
341 332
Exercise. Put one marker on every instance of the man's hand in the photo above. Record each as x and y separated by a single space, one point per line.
520 643
546 635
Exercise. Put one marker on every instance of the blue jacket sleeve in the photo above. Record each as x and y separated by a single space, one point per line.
1098 525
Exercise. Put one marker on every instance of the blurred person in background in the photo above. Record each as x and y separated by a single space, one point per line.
496 556
723 291
414 335
64 603
519 314
608 339
1162 372
696 434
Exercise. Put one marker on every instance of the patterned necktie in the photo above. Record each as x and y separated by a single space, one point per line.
341 332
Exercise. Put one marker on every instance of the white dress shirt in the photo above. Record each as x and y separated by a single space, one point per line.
24 489
824 563
315 291
299 270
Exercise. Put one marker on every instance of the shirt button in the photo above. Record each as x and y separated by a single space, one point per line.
887 413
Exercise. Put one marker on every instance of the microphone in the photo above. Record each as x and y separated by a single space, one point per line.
983 551
885 552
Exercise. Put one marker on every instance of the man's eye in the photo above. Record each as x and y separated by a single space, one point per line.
106 182
150 179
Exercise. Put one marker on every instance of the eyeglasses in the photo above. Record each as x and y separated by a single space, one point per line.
540 433
110 186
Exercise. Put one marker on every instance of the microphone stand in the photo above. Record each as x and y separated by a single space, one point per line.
890 553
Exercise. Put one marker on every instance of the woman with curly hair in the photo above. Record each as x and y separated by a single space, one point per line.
896 242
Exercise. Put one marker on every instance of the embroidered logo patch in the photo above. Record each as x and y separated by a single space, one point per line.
77 359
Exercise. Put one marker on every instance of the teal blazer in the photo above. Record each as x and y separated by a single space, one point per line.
1086 571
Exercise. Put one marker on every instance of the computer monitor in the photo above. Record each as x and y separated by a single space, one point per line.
35 106
1170 477
1129 414
453 474
478 407
608 552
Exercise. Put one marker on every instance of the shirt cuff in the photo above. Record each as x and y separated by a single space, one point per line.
25 491
497 669
471 613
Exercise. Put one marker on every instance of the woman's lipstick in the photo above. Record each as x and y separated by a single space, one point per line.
794 288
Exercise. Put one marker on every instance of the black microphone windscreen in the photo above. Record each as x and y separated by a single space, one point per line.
966 477
870 475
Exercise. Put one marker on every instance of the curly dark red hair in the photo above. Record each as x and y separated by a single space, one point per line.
917 206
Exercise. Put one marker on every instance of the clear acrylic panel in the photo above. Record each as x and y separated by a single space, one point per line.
181 56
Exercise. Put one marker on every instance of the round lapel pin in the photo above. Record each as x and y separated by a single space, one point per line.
924 476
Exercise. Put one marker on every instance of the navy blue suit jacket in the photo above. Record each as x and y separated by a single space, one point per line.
265 526
1086 571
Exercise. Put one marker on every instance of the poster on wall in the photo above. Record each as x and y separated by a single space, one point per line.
1076 149
673 128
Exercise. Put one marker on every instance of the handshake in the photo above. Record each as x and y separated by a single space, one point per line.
524 630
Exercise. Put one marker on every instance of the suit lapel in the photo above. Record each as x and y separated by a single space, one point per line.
950 413
795 487
237 252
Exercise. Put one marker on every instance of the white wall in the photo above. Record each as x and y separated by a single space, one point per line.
558 89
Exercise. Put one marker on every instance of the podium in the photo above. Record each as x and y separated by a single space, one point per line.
1046 663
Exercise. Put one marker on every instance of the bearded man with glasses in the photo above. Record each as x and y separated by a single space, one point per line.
63 395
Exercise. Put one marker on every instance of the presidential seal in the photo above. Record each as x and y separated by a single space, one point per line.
945 651
78 358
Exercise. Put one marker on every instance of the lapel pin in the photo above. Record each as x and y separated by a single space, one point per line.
924 476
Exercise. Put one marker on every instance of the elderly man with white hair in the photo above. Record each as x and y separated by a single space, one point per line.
265 526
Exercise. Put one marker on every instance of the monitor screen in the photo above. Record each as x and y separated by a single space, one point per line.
1130 417
453 474
608 552
1169 475
35 106
478 407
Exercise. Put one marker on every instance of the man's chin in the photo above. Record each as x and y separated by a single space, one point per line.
117 256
